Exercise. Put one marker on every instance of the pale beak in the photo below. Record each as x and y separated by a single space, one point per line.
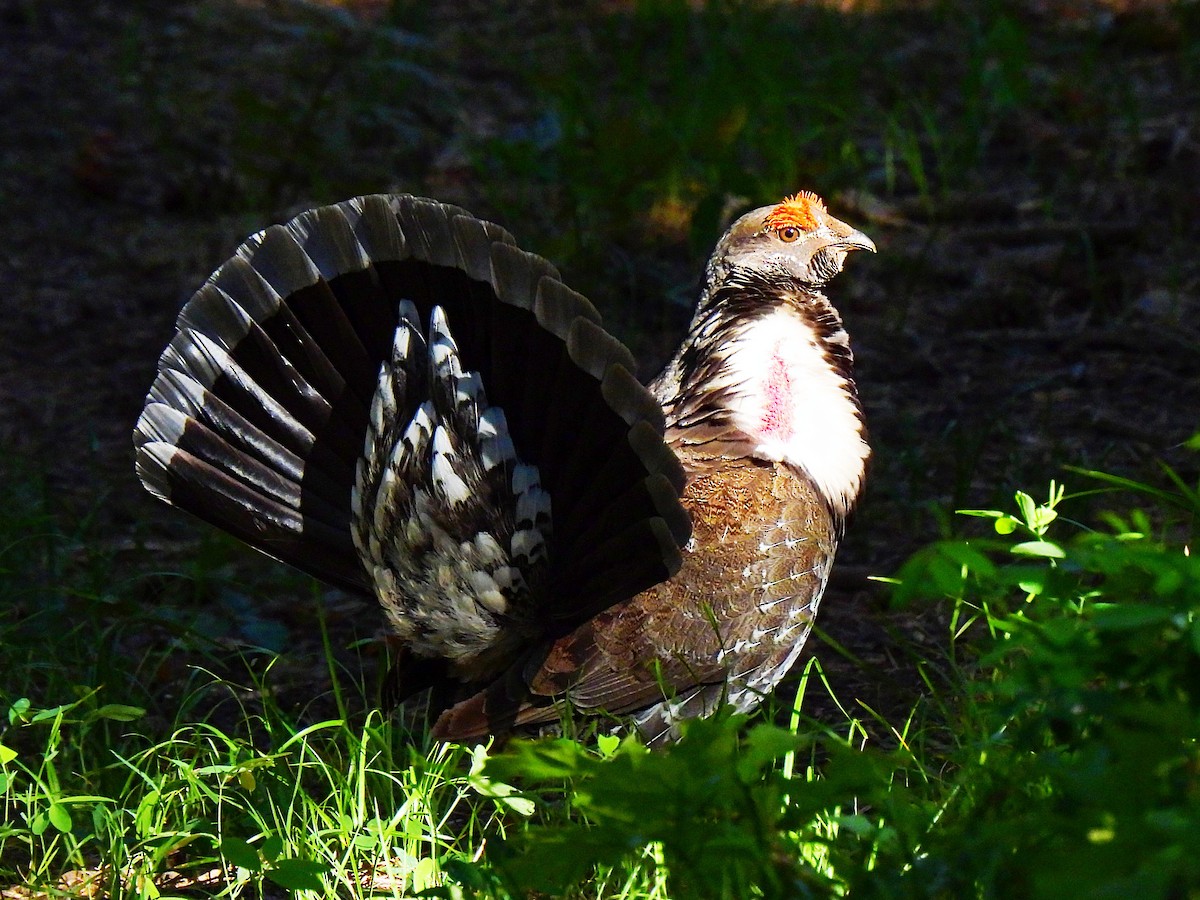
850 238
856 240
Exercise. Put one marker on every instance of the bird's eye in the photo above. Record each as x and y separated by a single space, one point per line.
789 233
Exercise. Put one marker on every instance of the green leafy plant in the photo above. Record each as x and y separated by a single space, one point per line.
1072 767
1079 767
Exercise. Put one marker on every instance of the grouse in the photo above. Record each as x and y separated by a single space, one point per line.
391 396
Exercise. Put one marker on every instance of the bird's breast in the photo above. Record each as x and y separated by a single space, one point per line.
794 405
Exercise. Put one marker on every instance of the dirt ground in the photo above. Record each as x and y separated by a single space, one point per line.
1030 322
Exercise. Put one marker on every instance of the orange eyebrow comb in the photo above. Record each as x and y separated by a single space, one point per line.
803 210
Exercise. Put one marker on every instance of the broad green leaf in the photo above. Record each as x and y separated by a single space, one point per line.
365 842
1122 616
298 874
411 828
1046 549
1168 581
219 769
119 712
60 817
607 744
52 713
463 872
271 847
240 853
425 873
144 818
981 513
7 754
1027 506
378 826
548 859
17 710
938 570
963 553
500 791
765 744
536 760
522 806
1043 518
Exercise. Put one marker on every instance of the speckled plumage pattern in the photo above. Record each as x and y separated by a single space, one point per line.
727 627
452 527
390 395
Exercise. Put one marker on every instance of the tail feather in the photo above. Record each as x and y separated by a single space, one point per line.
328 238
593 349
426 226
193 484
283 411
179 391
599 576
163 424
276 349
517 274
653 496
278 260
474 244
659 459
265 365
559 309
596 467
329 242
239 281
195 354
576 372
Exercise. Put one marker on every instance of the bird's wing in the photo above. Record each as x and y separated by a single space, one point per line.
681 648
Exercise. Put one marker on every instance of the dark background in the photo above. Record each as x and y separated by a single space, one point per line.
1030 172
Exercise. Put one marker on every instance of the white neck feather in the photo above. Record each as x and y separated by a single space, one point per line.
794 404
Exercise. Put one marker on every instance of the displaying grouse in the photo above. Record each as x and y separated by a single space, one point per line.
390 395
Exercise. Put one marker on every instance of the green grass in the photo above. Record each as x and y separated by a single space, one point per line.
323 807
117 764
1055 754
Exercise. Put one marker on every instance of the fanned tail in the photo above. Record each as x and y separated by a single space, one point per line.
266 419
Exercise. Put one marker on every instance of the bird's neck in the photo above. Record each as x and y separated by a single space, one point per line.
774 370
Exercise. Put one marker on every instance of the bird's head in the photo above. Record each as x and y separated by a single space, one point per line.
797 239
